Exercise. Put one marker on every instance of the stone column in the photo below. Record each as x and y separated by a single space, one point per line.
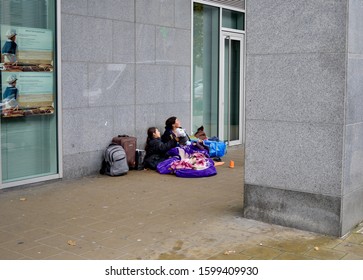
304 113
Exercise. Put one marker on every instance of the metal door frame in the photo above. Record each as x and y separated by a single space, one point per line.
237 36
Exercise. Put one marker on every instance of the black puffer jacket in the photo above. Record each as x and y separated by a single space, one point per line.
169 134
156 152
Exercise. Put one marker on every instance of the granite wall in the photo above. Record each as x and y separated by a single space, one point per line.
125 67
303 145
352 192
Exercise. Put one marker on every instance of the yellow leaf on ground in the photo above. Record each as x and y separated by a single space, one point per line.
71 242
229 252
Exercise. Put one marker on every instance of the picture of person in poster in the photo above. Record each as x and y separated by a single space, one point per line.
8 51
11 93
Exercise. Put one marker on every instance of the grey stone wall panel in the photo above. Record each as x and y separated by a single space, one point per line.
296 87
123 42
145 118
156 12
354 96
145 43
353 158
313 212
82 164
111 84
297 156
112 9
355 38
86 130
182 14
78 7
173 46
86 39
352 210
74 85
290 26
154 84
124 120
182 78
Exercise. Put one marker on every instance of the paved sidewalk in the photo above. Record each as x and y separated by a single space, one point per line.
144 215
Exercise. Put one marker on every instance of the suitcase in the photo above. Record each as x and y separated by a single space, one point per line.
129 145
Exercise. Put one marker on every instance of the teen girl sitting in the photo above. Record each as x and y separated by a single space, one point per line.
156 149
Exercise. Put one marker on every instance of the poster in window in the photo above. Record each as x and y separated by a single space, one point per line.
26 49
27 94
27 78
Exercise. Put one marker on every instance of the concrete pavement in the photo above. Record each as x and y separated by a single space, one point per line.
145 215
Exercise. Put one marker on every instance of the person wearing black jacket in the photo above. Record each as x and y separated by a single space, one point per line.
156 149
173 129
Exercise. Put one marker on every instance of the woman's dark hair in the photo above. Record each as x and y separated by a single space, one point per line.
150 136
169 122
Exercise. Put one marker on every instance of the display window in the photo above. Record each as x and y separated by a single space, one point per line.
29 91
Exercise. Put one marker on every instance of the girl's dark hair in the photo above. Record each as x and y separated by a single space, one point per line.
150 136
169 122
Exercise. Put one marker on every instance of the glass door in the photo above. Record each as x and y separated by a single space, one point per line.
231 94
218 72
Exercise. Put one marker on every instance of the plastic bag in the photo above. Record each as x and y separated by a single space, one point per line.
216 149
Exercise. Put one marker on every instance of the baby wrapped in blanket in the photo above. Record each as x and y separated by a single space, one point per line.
183 137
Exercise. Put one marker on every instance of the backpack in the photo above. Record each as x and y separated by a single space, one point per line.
114 162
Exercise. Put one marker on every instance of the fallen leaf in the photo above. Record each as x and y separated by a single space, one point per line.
71 242
229 252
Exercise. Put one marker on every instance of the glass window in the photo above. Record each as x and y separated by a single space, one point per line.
28 80
205 68
233 19
232 84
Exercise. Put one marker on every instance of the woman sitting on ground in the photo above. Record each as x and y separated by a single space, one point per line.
174 130
156 149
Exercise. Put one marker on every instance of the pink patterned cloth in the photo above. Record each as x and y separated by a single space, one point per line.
190 161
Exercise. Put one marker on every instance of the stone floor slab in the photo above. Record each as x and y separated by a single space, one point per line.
145 215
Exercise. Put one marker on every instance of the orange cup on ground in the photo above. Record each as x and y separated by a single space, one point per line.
231 164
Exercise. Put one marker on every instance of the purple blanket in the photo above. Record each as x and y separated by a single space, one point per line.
187 162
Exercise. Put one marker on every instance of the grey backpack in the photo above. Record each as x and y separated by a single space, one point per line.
115 161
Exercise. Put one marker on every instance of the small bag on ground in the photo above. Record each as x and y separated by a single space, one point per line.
115 161
139 159
216 149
